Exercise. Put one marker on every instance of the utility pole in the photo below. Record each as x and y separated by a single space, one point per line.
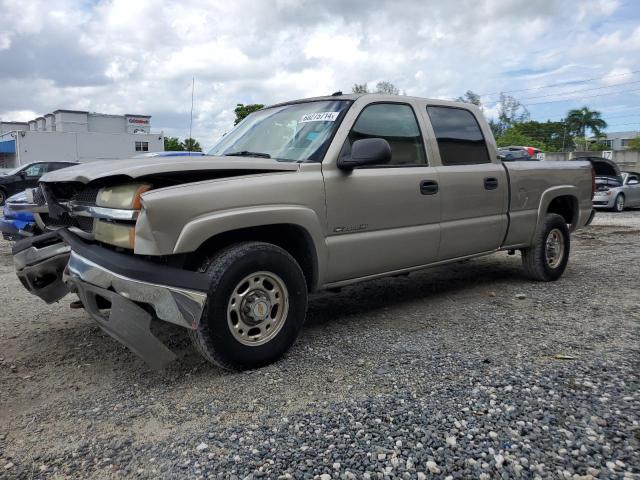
193 86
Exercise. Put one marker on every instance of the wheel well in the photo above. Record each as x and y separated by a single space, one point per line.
566 206
292 238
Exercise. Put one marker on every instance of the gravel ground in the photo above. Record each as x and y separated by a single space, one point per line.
467 371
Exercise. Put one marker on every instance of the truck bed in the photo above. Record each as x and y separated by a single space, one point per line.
531 186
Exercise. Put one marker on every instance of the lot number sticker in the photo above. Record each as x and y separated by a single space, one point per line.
320 117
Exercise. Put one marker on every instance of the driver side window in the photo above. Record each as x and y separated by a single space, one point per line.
397 124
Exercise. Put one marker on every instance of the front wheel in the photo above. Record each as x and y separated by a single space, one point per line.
618 206
547 258
3 197
256 306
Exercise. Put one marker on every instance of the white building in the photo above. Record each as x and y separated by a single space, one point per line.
73 135
618 140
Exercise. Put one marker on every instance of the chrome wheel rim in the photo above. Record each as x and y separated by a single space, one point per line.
620 203
258 308
554 248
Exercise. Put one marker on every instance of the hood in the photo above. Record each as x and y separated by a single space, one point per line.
604 167
143 167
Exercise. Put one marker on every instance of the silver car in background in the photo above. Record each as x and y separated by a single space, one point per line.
615 190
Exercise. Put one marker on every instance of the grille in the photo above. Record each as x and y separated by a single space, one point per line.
83 195
38 196
86 195
85 223
64 221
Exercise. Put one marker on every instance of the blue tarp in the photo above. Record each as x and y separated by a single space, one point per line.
8 146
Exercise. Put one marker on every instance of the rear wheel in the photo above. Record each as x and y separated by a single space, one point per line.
547 258
3 197
256 305
618 206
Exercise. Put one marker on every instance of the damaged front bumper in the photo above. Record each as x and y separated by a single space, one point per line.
121 292
40 262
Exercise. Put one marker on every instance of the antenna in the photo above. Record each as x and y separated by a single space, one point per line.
193 87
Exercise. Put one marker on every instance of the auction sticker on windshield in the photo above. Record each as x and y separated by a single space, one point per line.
320 117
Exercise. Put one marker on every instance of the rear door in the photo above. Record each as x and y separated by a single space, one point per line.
474 188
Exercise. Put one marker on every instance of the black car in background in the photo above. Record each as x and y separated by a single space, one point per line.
26 176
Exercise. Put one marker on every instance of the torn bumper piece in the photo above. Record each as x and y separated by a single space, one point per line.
40 262
124 293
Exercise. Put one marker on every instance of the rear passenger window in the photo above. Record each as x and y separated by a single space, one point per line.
397 124
460 140
57 166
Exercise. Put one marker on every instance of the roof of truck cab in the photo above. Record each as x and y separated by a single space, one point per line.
380 97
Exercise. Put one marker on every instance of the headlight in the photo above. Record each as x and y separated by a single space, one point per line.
117 234
125 197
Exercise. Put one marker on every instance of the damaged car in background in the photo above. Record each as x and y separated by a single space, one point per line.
615 190
16 225
302 196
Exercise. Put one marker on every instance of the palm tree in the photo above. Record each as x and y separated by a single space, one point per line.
583 119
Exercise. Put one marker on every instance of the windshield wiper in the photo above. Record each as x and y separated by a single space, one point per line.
247 153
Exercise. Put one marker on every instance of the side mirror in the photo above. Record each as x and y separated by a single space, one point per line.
367 151
633 182
23 174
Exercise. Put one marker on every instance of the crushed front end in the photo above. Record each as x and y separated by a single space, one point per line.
88 250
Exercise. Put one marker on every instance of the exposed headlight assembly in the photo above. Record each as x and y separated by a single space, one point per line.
118 198
125 197
117 234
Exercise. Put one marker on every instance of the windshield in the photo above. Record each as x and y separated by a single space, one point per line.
15 170
292 133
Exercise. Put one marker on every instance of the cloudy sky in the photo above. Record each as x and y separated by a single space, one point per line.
123 56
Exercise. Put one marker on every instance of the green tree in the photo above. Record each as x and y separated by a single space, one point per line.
387 88
360 88
191 145
581 120
384 86
634 144
510 112
512 136
172 144
553 134
242 110
470 97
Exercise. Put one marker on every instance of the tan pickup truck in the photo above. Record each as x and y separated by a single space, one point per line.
302 196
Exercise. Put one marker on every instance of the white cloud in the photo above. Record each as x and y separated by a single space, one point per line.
121 56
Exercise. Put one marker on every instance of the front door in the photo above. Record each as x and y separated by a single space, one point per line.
474 190
33 174
633 190
384 217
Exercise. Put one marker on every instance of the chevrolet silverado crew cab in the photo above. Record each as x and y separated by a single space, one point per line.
301 196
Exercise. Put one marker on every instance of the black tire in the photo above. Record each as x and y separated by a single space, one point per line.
535 259
618 204
214 339
3 197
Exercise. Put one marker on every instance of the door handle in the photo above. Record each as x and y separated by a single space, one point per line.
428 187
490 183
